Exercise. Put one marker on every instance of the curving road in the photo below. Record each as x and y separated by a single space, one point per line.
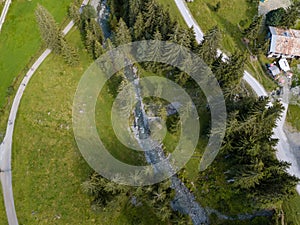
6 145
284 152
4 12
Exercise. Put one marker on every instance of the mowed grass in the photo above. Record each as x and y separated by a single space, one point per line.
48 169
20 38
293 116
227 18
1 6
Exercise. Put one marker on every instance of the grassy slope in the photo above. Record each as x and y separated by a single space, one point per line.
19 41
293 116
227 18
20 38
47 166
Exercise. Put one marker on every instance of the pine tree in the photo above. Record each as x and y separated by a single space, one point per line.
88 13
74 14
89 42
134 10
122 35
94 27
69 53
250 151
208 48
150 15
252 32
98 49
49 29
138 28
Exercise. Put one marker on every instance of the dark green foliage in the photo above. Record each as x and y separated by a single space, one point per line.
230 73
252 32
157 196
217 7
88 13
73 12
275 17
90 29
138 28
209 46
292 15
250 152
102 190
135 7
122 34
284 18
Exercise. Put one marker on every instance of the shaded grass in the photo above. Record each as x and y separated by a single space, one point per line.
293 116
20 38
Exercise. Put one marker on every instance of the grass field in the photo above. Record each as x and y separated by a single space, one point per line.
230 14
1 6
228 18
293 116
47 166
20 38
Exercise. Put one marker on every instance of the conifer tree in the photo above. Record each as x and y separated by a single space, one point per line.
138 28
74 14
209 46
150 15
69 53
122 35
134 10
49 29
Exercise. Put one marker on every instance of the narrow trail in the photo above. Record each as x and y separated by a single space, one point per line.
184 201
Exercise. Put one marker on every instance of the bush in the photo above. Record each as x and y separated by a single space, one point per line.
275 17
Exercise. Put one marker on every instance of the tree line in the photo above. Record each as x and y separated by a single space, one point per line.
248 151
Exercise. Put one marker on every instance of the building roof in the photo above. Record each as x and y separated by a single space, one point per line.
284 65
274 70
284 41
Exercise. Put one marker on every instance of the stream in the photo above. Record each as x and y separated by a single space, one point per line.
184 201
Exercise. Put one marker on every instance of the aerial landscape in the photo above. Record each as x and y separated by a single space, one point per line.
145 112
